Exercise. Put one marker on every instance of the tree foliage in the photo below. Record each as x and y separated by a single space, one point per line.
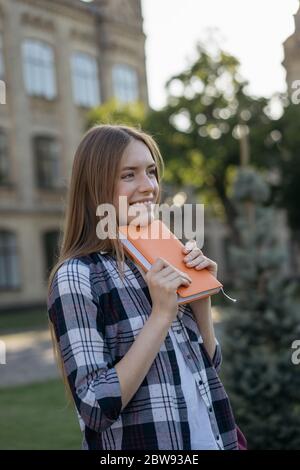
259 375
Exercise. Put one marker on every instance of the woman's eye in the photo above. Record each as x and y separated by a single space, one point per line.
152 172
125 176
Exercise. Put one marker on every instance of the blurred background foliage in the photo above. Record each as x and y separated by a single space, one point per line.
239 156
260 328
209 125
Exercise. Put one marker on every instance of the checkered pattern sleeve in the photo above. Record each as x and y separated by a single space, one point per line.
79 328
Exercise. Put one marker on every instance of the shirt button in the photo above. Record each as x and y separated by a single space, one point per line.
188 356
217 437
178 331
210 409
200 382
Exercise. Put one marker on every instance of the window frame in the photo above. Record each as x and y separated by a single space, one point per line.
123 86
5 252
49 182
85 84
39 69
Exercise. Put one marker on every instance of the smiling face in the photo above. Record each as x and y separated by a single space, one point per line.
137 181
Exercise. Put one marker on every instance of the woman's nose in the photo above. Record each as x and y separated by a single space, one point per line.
146 183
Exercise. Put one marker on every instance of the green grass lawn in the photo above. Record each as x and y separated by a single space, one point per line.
38 417
14 322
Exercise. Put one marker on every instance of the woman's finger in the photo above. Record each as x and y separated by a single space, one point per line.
175 275
210 265
189 245
196 252
158 265
196 261
165 272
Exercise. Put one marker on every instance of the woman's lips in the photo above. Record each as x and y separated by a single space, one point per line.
146 203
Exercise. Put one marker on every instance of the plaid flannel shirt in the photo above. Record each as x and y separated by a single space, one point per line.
96 319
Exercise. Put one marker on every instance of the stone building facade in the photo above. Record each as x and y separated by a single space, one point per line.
291 60
58 58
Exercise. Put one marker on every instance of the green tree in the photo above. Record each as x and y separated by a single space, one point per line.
208 123
114 112
260 328
200 129
288 189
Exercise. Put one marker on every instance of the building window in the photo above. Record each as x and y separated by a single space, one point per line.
47 155
50 241
125 83
4 159
9 262
39 70
85 80
2 70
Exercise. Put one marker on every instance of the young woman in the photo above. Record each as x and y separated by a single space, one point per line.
143 372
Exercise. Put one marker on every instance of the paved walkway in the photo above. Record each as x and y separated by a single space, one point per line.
30 358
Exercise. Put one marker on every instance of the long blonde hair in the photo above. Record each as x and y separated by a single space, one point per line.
93 182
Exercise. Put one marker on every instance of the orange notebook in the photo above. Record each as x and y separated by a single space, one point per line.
146 244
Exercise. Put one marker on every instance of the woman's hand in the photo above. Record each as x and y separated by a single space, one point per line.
195 258
201 308
163 281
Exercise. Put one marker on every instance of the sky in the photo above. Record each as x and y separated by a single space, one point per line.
251 30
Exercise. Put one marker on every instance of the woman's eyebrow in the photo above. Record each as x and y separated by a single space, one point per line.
135 167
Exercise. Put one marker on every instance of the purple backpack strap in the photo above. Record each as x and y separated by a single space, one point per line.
242 442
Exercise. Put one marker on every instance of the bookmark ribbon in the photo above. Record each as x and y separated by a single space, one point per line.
230 298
